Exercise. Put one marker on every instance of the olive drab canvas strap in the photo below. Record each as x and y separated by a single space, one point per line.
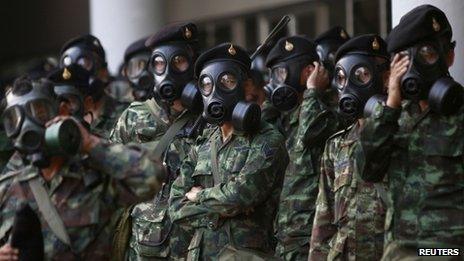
164 142
48 210
214 160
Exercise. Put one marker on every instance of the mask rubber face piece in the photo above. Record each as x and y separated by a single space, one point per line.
172 67
357 78
284 87
221 84
88 60
137 72
427 64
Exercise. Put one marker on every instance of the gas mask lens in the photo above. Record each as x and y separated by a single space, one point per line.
135 67
206 85
362 75
229 81
86 63
180 63
39 110
279 74
428 54
67 61
159 64
340 78
12 119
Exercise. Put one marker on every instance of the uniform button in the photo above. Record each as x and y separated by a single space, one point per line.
211 224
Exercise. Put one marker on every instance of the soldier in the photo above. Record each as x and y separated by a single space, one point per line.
229 185
147 121
327 45
349 219
152 235
414 139
101 109
297 86
75 196
135 69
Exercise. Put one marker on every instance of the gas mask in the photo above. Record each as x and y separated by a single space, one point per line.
326 52
29 107
427 78
71 95
191 98
172 67
141 79
221 85
358 77
86 59
284 87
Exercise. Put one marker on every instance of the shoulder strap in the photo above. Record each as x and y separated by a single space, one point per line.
154 108
214 160
382 193
49 211
169 135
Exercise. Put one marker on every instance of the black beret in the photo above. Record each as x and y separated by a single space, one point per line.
224 52
88 42
136 47
178 32
368 44
334 34
73 75
291 47
421 23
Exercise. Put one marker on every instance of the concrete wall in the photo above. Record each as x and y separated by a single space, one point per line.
118 23
454 10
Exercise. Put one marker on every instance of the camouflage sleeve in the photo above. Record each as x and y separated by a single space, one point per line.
182 210
134 171
121 132
252 185
7 205
316 121
323 227
375 148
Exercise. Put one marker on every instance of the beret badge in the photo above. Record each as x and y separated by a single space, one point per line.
436 26
343 34
187 33
231 50
288 46
375 44
66 74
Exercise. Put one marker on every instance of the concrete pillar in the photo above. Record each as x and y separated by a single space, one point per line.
118 23
454 10
238 31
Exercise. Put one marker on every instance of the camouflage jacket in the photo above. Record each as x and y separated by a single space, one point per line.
153 234
103 125
251 171
350 214
139 124
86 193
421 155
315 123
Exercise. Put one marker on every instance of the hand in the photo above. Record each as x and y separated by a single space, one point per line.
192 195
7 253
88 140
398 68
319 78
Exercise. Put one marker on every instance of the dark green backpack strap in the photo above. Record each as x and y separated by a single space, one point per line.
214 159
166 139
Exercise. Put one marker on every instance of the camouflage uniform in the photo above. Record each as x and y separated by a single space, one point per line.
6 150
103 125
86 193
315 122
421 155
152 230
250 172
350 214
138 124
